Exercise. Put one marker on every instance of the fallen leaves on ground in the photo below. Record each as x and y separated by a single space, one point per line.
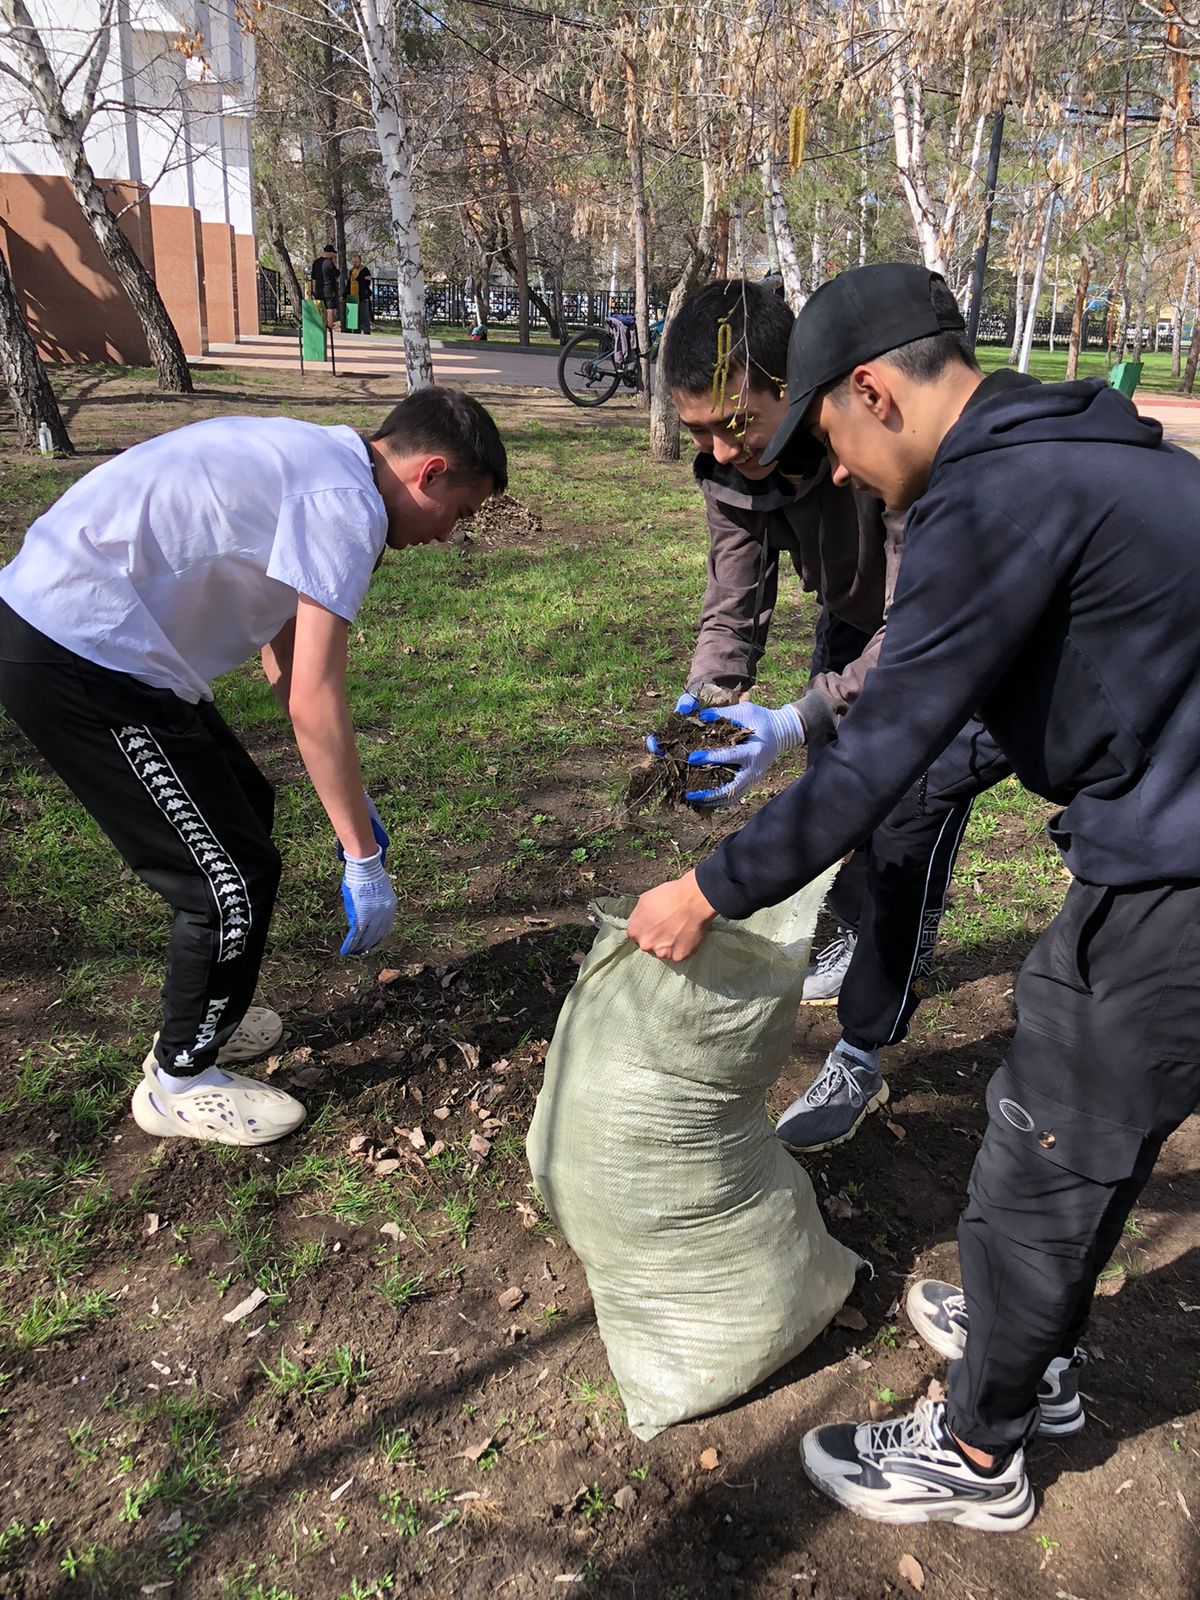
912 1571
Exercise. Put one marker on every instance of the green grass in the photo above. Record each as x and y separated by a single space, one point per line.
1051 367
342 1369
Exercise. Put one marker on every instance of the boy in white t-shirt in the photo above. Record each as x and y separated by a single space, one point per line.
164 568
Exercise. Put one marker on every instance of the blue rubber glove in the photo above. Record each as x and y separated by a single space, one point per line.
377 828
685 705
370 903
771 733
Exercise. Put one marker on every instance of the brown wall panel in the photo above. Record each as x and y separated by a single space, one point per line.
76 309
218 281
246 262
179 272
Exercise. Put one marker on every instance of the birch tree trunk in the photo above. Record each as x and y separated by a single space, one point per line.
1143 293
1076 338
664 419
396 148
66 135
795 289
1019 317
1035 288
818 245
1179 66
1177 320
641 245
906 96
29 392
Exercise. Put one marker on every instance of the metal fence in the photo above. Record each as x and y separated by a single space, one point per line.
449 303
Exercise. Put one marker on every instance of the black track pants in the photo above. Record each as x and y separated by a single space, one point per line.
184 804
1104 1064
893 893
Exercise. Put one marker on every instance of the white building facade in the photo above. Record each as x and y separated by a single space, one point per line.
169 140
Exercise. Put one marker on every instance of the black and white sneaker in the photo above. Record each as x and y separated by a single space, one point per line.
823 980
909 1470
938 1312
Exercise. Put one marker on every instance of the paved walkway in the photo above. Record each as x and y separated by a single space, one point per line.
485 365
379 355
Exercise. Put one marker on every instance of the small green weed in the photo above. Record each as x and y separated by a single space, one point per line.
342 1370
400 1513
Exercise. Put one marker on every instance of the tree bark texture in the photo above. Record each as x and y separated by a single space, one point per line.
1081 289
166 352
29 392
641 244
664 419
394 138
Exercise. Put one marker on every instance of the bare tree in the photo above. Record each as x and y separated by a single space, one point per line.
29 392
66 129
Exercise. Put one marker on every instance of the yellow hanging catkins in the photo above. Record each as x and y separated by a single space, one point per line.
796 131
721 368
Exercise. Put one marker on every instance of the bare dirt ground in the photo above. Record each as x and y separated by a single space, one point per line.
483 1452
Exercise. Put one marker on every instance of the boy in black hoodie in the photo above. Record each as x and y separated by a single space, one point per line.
1051 582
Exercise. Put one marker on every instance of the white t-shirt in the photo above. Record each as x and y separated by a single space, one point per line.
179 559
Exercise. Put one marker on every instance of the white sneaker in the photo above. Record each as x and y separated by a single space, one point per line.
823 980
235 1110
909 1471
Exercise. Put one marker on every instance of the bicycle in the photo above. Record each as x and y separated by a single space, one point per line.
591 368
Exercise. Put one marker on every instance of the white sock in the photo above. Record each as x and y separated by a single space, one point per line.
208 1079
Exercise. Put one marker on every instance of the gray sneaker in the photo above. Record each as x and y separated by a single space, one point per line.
823 980
833 1107
938 1312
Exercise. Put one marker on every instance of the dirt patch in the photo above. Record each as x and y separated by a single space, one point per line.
664 779
501 519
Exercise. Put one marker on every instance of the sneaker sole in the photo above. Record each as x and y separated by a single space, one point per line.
873 1104
1051 1427
996 1518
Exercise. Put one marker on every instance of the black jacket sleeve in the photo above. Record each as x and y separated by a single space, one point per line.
972 587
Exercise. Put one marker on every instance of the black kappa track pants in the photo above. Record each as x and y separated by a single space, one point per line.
1104 1064
186 808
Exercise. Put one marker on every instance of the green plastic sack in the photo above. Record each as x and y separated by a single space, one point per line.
708 1261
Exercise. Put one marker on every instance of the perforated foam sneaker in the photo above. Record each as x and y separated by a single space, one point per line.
833 1107
909 1470
938 1312
823 980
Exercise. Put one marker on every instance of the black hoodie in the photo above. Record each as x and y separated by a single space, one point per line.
1050 583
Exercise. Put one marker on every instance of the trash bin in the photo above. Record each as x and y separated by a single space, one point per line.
1125 377
351 318
312 330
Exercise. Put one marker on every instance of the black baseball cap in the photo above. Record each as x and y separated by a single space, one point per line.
854 317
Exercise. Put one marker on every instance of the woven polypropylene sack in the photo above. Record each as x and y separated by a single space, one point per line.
707 1258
